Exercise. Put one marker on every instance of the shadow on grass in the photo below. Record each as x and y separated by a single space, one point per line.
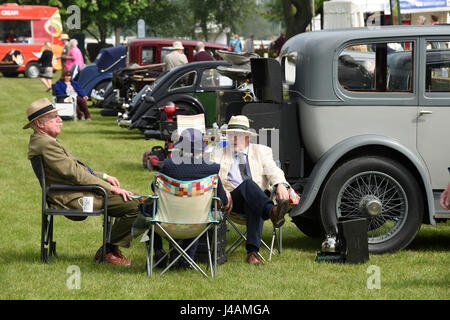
430 242
32 256
302 243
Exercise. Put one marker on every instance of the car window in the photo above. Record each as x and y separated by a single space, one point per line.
186 80
211 78
213 52
289 65
148 55
166 50
377 67
438 67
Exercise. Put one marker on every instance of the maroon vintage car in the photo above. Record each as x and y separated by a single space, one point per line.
152 50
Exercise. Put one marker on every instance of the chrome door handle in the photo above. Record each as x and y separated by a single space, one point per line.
422 112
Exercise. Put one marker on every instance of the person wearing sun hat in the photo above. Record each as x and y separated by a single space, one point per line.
61 167
176 57
65 40
246 170
186 164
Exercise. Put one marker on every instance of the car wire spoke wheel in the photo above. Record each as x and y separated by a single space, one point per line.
380 189
377 197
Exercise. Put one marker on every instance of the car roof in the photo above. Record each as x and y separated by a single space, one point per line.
174 72
108 56
168 42
342 35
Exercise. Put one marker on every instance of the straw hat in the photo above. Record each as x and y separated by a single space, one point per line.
177 45
64 36
38 109
239 124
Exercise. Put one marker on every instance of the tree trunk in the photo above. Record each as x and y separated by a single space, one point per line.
117 35
204 26
103 31
298 15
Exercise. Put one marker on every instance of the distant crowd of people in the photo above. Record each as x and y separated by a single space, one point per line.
422 20
71 55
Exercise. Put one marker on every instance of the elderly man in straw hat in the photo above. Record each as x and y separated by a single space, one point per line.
61 167
65 40
176 57
246 169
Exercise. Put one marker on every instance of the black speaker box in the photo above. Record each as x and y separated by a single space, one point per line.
352 237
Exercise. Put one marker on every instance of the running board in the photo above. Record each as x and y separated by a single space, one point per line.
439 212
442 215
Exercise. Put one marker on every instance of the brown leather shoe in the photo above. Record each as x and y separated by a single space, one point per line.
277 213
115 252
253 258
111 258
119 254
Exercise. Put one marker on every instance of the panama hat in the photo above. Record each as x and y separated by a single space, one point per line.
64 36
177 45
38 109
239 124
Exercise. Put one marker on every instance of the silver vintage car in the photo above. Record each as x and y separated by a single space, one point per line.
362 120
369 125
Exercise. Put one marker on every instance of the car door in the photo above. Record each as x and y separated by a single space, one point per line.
433 114
210 81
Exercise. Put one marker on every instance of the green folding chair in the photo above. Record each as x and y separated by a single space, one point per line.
234 219
183 210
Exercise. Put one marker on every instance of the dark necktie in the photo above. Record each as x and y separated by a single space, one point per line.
242 157
90 170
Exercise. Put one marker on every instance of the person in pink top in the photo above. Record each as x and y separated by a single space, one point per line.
74 56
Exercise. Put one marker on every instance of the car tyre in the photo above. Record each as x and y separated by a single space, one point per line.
32 70
109 112
379 189
309 222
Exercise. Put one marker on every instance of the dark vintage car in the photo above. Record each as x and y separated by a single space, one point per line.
98 75
192 87
144 59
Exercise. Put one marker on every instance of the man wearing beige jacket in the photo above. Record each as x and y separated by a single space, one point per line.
61 167
246 170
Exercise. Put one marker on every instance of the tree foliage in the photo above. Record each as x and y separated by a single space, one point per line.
176 18
221 14
296 14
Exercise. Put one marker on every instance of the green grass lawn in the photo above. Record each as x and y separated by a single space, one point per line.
420 271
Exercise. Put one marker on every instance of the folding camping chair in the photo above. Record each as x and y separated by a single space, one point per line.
196 121
183 210
67 106
235 219
37 163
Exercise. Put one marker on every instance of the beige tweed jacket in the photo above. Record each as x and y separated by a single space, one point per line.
264 171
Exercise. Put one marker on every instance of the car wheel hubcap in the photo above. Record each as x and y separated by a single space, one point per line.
371 206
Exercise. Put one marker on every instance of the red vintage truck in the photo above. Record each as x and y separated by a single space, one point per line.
23 32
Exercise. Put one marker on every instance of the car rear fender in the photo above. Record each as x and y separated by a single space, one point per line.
326 163
92 83
183 98
147 109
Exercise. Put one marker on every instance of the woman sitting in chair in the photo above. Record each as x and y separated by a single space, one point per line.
188 165
67 87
